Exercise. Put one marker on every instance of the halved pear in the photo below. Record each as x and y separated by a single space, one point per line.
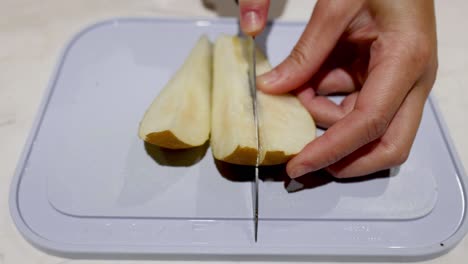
285 126
232 122
179 117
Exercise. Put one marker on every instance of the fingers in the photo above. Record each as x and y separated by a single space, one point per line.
325 112
336 81
321 108
253 15
388 84
328 22
393 148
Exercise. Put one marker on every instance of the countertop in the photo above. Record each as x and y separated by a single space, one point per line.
33 33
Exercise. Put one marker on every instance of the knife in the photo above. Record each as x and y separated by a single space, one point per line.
252 73
250 48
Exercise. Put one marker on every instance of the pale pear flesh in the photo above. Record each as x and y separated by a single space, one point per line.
233 124
285 126
179 117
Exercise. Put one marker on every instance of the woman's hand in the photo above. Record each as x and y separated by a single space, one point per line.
383 56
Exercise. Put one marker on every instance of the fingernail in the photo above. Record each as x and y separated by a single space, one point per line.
294 186
298 172
251 21
268 79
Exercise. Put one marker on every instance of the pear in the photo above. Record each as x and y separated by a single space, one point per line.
179 117
285 126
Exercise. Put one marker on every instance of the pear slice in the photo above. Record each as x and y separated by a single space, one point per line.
232 122
179 117
285 126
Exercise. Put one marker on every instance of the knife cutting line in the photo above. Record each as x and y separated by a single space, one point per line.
252 74
253 92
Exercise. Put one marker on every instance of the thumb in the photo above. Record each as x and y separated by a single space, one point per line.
328 22
253 15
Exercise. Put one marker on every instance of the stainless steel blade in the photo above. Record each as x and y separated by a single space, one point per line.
253 92
255 201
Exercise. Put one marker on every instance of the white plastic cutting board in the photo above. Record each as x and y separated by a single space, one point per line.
87 185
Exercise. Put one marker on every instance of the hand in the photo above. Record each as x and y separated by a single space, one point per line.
383 55
253 15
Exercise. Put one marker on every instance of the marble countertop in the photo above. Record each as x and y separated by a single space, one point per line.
33 33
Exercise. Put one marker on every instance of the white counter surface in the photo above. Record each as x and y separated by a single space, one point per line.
33 33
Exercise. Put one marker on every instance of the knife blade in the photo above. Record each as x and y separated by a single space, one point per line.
252 73
251 56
